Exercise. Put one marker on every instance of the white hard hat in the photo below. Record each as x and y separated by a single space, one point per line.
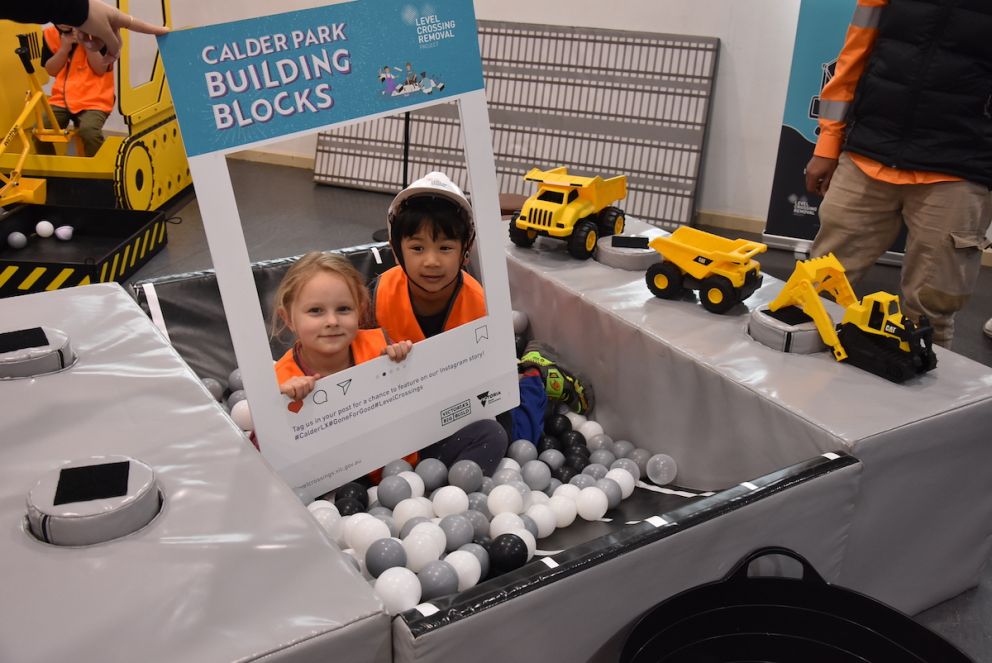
432 184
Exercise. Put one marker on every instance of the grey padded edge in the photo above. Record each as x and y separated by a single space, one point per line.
801 339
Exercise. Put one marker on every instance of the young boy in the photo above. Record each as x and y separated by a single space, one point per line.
431 231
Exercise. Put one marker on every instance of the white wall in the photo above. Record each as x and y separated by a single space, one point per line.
755 56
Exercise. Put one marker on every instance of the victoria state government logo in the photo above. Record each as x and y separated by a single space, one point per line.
487 397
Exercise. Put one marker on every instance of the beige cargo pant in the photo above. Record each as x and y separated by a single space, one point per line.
860 218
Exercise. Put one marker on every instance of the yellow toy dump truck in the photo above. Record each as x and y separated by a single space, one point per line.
575 209
873 335
722 270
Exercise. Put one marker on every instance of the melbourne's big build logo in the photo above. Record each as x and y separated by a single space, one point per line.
431 26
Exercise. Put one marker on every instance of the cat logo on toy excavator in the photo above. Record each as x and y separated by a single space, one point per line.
873 335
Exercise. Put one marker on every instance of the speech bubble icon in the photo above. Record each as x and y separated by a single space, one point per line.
320 397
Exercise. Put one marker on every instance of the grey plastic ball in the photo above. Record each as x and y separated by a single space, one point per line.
487 485
384 554
394 467
479 502
603 457
552 458
410 524
466 474
595 470
662 469
536 474
522 451
506 475
600 441
622 448
480 523
379 510
629 465
613 493
215 388
437 578
234 381
391 524
236 397
582 481
433 472
458 531
521 487
641 456
552 487
393 490
520 321
481 555
529 524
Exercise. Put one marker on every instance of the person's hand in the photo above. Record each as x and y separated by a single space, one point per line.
298 388
102 28
68 39
819 171
398 351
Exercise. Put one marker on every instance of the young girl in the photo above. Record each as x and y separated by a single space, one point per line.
323 301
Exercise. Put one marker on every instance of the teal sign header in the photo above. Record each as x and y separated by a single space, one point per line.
247 81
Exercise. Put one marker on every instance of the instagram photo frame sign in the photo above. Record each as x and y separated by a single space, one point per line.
246 83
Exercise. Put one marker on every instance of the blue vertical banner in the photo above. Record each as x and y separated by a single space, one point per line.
242 82
792 212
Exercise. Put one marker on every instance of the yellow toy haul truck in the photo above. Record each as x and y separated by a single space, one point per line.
722 270
873 335
575 209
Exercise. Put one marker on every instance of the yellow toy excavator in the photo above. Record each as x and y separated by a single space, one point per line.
873 335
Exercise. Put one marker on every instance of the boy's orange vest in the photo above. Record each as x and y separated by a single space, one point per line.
394 310
77 87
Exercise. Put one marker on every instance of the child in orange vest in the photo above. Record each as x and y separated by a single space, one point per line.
83 90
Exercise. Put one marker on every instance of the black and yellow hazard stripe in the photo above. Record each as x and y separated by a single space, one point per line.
24 278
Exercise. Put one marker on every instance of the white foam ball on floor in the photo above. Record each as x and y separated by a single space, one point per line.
569 490
449 500
625 479
398 589
44 228
415 481
528 539
421 549
410 508
565 510
545 519
576 419
592 503
241 414
365 533
64 233
505 498
433 531
590 429
467 566
503 523
17 240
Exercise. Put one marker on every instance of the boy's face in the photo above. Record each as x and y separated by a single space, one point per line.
324 316
432 263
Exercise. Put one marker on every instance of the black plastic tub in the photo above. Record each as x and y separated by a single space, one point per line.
775 619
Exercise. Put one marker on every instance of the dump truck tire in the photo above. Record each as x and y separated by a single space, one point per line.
582 242
664 280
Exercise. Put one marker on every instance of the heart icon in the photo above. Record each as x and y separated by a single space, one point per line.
295 406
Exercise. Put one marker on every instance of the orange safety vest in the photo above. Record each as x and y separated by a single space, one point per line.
368 344
394 310
77 87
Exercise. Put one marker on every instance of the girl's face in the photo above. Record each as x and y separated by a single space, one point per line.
324 316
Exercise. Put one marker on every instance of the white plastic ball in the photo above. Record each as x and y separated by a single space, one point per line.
350 522
545 519
421 548
416 482
398 589
410 508
504 523
576 419
661 469
528 539
569 490
536 497
467 566
625 479
565 510
330 521
64 233
17 240
450 500
365 532
241 414
508 463
44 228
590 429
321 504
592 503
432 530
505 498
373 494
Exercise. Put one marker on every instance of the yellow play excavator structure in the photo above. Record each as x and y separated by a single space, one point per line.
873 335
142 170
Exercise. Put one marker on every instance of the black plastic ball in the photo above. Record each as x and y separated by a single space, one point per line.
576 461
484 541
557 425
507 553
348 506
355 491
546 442
573 438
521 342
565 472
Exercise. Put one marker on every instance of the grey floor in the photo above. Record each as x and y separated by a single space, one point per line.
284 214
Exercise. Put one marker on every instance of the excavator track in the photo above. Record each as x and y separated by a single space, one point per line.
878 354
151 167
